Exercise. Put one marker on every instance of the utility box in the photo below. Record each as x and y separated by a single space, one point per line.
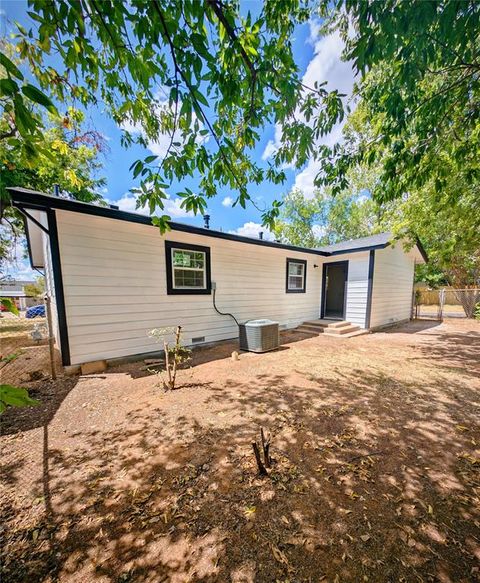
259 335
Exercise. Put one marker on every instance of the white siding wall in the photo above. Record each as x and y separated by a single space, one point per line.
115 287
357 285
392 286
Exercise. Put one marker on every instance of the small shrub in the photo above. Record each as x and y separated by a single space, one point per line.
477 311
15 397
175 356
10 395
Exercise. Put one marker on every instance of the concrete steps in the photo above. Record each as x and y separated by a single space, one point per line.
336 329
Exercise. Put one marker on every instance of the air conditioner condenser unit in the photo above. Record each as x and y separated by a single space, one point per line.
259 335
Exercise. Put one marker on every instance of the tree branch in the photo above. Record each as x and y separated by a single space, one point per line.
9 134
217 8
172 47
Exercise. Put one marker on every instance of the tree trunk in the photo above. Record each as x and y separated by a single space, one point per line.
167 364
261 468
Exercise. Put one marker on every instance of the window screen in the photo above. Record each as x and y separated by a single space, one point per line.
296 272
188 269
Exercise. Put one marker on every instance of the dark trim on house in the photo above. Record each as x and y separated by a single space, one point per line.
304 288
42 201
358 249
324 284
371 269
169 245
421 248
58 284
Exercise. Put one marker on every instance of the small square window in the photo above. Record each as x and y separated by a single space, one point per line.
188 268
296 276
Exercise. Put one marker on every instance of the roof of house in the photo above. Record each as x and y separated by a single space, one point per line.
381 240
25 199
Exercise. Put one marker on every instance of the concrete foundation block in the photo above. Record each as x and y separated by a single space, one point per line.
96 366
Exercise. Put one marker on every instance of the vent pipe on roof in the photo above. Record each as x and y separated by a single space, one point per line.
260 235
56 190
206 220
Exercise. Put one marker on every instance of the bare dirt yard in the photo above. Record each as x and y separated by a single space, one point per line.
375 477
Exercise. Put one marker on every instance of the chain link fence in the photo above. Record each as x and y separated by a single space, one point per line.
26 347
446 303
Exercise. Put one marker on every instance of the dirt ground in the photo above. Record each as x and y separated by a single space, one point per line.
22 358
375 477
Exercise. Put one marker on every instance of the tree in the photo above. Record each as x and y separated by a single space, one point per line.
19 99
325 219
203 73
419 66
35 290
448 226
298 220
447 220
68 155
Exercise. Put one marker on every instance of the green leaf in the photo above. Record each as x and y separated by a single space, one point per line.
15 397
38 96
8 86
11 68
137 168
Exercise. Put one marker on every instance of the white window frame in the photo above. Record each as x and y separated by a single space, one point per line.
303 276
203 269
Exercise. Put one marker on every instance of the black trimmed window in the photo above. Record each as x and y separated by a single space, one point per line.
188 268
296 276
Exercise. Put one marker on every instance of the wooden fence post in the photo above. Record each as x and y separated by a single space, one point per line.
441 302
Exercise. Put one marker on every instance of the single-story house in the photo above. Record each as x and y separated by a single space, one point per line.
113 276
14 290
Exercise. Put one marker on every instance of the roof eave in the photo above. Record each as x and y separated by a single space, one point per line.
42 201
359 249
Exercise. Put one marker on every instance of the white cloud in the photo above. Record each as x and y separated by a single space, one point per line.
273 145
228 201
252 229
20 270
128 202
326 65
304 179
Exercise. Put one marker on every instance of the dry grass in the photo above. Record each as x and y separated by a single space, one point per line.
375 441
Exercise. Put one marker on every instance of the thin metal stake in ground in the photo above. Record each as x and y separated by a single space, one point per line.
51 339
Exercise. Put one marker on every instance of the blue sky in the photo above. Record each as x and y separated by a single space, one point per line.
318 59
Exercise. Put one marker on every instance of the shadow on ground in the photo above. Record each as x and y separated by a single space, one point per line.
374 475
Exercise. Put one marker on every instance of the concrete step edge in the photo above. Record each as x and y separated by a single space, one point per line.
341 324
308 330
341 331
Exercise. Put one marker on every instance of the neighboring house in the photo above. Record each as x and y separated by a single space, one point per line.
113 277
14 290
